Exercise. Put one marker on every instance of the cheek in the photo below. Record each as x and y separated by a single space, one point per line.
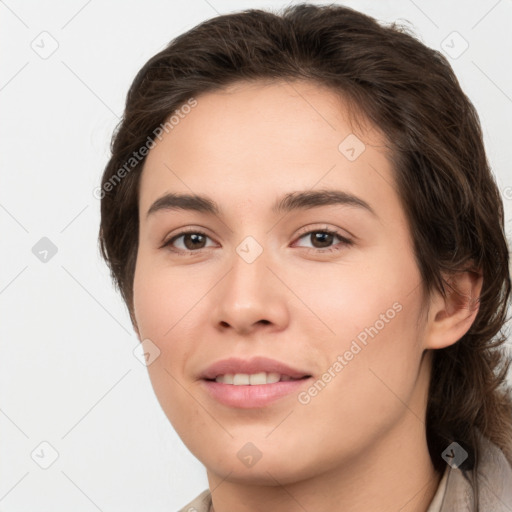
161 303
163 298
362 294
372 312
363 389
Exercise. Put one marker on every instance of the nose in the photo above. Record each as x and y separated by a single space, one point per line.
250 297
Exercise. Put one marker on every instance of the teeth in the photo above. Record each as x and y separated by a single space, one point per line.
273 377
258 378
244 379
241 379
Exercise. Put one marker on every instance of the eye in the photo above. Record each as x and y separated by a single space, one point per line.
193 241
323 238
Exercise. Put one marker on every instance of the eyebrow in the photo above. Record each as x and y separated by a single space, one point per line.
293 201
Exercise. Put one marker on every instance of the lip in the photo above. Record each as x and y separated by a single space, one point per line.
254 365
252 396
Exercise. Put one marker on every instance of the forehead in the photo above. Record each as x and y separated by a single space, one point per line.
278 115
265 138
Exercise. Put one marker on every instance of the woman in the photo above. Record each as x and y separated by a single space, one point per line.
301 219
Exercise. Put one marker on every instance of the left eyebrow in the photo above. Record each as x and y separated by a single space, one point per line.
299 200
316 198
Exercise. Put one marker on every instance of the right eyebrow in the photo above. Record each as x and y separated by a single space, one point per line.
192 202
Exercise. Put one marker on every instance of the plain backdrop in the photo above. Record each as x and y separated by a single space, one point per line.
81 428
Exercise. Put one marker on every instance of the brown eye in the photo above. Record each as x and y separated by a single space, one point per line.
193 241
322 240
188 241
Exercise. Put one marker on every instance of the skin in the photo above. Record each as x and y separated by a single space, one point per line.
360 443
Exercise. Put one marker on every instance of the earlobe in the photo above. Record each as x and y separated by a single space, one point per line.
451 316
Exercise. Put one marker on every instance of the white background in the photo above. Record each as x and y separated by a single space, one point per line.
68 374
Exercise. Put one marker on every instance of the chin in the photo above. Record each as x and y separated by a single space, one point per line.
273 467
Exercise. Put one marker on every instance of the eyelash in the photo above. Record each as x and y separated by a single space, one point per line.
344 241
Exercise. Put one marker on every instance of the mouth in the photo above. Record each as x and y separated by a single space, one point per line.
254 379
253 383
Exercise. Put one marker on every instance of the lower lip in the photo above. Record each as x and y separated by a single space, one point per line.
250 397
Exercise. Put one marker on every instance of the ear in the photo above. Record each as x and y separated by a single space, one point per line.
451 316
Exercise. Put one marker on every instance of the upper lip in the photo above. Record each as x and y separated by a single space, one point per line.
251 366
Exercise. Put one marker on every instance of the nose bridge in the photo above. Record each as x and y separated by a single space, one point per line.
249 266
250 249
249 293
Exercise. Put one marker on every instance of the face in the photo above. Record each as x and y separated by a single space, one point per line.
322 288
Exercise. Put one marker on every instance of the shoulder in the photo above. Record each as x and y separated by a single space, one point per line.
200 504
489 485
494 477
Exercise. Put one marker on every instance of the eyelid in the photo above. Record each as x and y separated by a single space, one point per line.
323 227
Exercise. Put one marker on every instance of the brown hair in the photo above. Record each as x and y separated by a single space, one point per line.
411 94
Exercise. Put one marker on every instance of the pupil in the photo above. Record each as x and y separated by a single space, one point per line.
327 238
195 238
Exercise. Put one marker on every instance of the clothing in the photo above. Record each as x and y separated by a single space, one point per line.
437 500
455 492
201 503
494 478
